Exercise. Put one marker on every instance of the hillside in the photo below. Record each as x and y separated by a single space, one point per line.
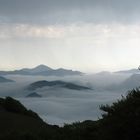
120 121
18 123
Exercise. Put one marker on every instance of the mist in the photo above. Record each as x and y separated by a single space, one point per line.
59 105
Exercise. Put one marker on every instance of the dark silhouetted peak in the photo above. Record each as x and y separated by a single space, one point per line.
41 84
11 105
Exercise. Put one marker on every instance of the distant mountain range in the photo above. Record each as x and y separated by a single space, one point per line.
42 70
102 73
131 71
132 82
4 80
41 84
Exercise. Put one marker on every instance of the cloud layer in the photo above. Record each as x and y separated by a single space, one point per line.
65 11
89 35
85 47
94 31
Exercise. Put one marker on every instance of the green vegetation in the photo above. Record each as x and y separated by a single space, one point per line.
120 121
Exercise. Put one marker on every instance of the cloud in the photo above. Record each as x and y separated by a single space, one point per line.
28 31
58 105
86 47
67 12
94 32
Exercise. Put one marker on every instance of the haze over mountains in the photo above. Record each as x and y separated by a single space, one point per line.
131 71
65 97
132 82
48 71
42 70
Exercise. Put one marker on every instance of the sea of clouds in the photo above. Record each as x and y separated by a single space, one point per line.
60 105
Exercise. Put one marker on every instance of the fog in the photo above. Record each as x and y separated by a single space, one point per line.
70 108
60 105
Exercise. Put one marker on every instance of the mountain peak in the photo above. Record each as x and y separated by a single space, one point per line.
41 68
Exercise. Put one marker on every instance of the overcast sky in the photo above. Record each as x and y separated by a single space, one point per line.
86 35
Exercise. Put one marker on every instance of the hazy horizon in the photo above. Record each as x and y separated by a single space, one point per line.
89 36
55 68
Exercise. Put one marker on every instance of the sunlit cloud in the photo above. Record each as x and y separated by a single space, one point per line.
94 31
82 46
29 31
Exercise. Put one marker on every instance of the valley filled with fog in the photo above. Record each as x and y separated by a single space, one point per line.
59 105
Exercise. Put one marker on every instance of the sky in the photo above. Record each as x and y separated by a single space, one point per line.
85 35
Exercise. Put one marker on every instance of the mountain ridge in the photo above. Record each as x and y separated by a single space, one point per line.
129 71
42 70
44 83
132 82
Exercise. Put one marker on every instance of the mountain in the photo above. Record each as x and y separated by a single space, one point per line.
103 73
131 71
37 69
59 72
132 82
42 70
119 121
4 80
41 84
33 94
18 123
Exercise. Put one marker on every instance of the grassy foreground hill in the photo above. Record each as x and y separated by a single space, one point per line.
120 121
